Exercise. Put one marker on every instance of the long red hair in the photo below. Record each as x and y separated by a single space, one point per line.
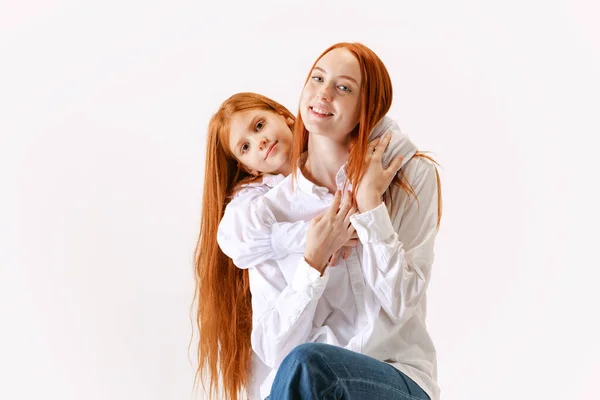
222 293
375 101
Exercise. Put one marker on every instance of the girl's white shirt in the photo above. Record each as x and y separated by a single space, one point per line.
373 303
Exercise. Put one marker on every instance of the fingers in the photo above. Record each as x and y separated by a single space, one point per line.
351 230
371 147
347 251
380 148
373 143
395 165
350 213
351 243
334 258
335 204
346 205
316 219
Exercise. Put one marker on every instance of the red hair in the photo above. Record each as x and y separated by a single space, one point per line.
222 292
375 101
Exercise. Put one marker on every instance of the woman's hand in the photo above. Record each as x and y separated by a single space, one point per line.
376 179
344 252
329 232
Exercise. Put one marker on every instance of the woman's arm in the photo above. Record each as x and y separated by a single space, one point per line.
398 250
283 313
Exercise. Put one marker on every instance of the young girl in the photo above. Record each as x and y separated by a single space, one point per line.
372 308
244 128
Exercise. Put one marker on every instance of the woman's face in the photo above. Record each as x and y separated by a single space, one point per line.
261 140
330 101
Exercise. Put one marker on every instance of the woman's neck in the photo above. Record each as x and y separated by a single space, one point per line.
324 160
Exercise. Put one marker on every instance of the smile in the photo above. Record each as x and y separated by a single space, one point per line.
321 112
271 149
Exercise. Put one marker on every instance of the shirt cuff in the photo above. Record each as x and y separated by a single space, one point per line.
374 225
309 281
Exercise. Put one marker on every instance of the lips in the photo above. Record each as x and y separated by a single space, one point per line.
320 111
270 150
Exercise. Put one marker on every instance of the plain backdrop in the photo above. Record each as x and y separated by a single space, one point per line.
103 112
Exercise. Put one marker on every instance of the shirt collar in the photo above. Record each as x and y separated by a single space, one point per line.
271 180
309 187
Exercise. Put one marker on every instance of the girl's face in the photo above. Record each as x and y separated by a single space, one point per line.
261 140
330 102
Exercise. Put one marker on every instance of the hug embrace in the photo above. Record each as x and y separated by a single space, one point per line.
316 243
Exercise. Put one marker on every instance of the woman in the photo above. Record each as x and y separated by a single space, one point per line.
376 304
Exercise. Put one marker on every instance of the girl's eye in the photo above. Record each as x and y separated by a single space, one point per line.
245 147
259 125
317 78
344 88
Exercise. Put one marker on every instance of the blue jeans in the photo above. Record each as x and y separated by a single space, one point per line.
322 372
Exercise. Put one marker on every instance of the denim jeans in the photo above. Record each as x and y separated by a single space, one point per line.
322 372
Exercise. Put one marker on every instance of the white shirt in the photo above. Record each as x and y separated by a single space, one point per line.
373 303
248 247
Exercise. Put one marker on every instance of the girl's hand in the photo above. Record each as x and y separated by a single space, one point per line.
376 179
329 232
344 252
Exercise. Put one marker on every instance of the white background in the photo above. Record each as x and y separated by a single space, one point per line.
103 112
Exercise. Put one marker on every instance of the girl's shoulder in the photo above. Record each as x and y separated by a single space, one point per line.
260 187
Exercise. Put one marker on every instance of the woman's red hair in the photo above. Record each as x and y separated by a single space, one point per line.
222 293
375 101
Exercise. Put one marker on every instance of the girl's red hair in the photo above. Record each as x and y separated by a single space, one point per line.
222 293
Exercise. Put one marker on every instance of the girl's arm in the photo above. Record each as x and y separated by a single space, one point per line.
249 234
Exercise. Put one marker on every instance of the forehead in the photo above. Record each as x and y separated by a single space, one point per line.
340 61
241 120
239 126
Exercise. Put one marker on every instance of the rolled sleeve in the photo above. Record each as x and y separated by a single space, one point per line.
374 225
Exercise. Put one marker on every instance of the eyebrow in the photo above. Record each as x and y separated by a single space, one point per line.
341 76
253 122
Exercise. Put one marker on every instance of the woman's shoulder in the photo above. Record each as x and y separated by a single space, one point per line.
420 165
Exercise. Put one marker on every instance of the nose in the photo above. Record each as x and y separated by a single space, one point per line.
324 92
261 142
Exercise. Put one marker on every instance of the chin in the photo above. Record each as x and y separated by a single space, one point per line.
312 126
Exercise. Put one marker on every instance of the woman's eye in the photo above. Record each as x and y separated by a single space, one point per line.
344 88
245 147
259 126
317 78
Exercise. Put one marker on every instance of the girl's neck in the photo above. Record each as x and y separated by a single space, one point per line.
324 160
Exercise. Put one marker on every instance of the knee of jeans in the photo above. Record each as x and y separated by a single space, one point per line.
307 353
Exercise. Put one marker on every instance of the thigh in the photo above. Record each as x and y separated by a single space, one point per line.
345 374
